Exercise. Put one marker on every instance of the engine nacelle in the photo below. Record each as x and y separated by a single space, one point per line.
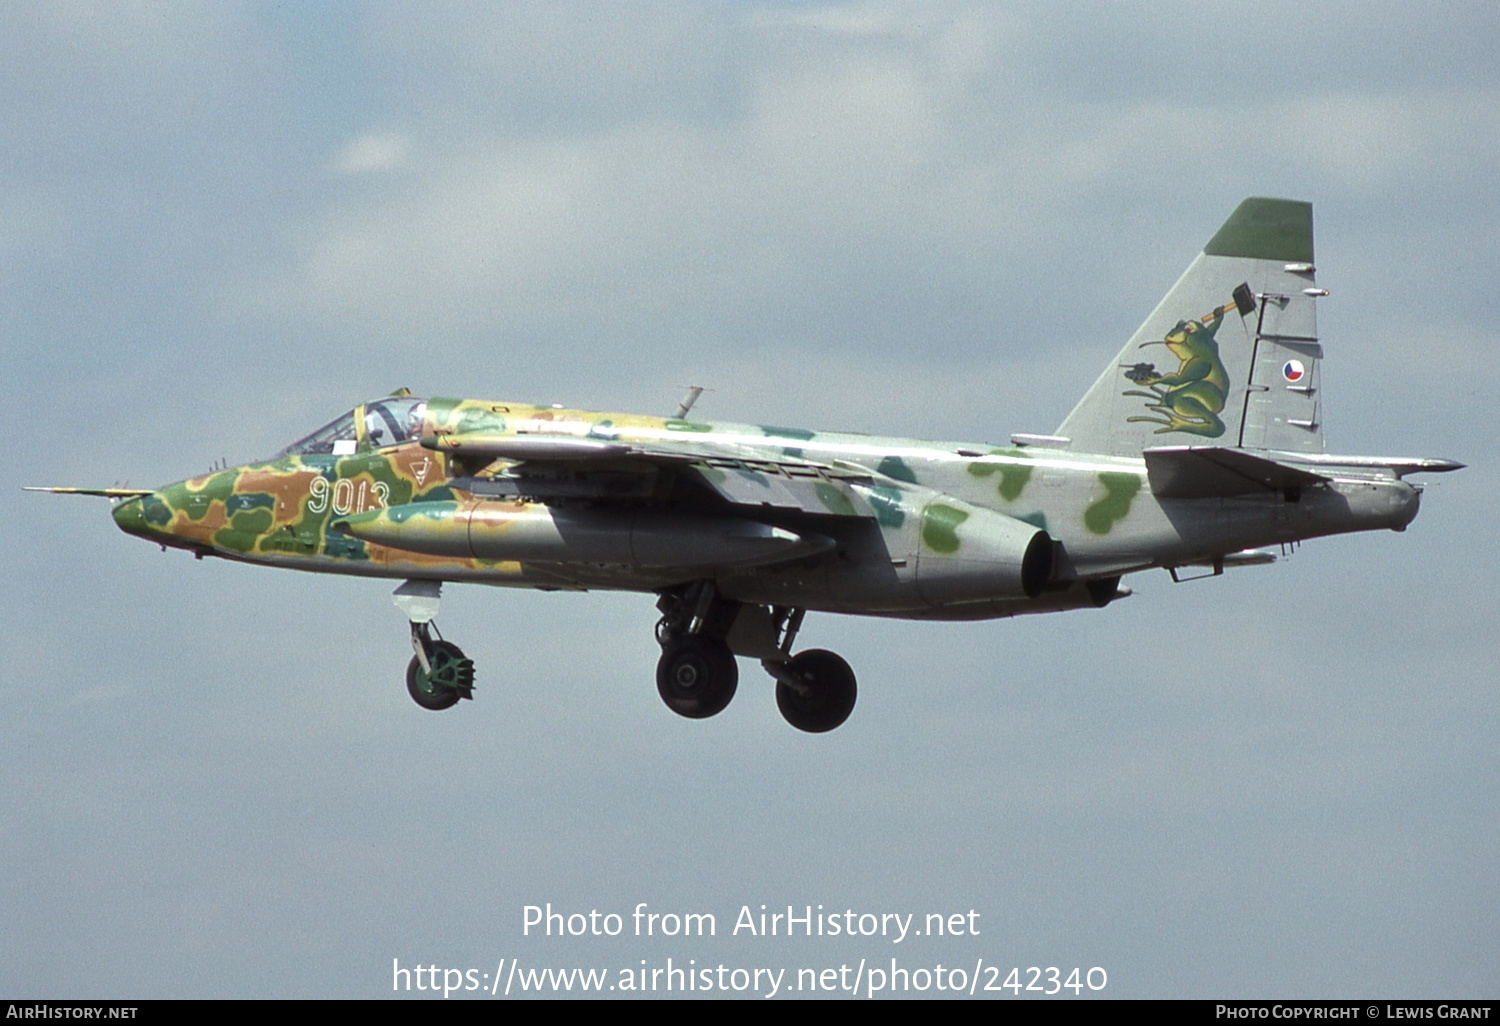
966 553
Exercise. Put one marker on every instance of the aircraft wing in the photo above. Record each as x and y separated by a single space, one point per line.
548 467
801 486
109 493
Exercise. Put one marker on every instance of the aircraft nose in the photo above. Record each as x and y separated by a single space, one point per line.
134 516
129 517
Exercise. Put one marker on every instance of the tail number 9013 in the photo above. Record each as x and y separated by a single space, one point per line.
346 496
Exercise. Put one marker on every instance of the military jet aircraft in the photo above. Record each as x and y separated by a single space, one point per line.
1192 457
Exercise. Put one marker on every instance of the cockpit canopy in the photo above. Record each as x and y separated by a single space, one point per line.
383 422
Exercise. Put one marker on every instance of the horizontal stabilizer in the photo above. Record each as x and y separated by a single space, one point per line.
1398 465
1210 472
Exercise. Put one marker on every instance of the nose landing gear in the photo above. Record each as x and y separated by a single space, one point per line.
446 676
439 673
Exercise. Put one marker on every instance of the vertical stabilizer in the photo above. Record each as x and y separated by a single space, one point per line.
1229 357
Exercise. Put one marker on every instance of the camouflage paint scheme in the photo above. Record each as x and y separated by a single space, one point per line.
742 529
279 512
935 502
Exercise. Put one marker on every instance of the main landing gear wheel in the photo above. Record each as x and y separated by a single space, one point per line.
696 676
826 697
450 678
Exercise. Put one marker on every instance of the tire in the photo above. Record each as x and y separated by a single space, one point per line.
452 677
830 695
696 676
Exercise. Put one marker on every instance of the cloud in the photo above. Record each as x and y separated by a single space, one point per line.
373 151
224 223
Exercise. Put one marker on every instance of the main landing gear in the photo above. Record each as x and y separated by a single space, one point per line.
439 673
815 690
696 676
700 634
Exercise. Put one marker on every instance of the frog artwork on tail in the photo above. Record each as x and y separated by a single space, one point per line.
1191 399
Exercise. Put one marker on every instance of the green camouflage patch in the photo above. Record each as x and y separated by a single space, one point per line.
1119 491
940 527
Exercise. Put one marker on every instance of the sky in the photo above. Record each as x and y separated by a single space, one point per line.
222 224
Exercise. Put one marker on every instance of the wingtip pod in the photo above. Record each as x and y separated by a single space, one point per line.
1262 228
1399 466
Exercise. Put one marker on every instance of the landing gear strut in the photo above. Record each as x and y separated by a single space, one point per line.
439 674
701 633
815 690
696 675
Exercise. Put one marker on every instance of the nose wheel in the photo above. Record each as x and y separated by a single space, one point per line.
447 676
439 673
